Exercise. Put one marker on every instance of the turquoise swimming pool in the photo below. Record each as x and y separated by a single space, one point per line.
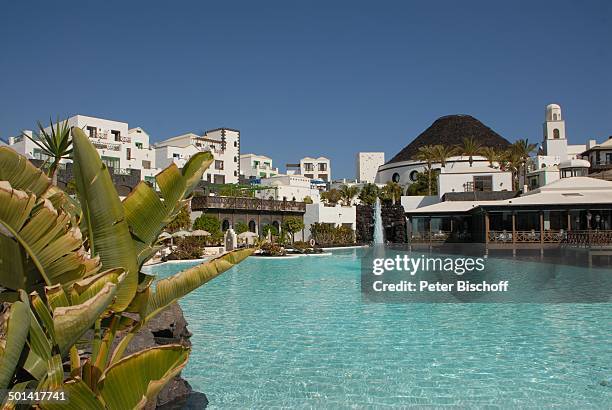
295 333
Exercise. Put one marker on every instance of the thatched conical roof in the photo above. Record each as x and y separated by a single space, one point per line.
451 130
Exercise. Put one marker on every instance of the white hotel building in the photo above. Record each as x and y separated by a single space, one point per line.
124 149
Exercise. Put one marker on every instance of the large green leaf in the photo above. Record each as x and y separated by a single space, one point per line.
147 213
137 379
173 288
70 322
14 325
79 395
21 173
53 245
108 232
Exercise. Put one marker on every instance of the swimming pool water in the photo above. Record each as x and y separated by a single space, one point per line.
295 333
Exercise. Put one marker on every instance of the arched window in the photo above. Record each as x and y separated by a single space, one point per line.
276 225
396 177
252 226
554 117
225 225
556 133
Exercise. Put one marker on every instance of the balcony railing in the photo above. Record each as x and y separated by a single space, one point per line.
106 145
249 204
589 238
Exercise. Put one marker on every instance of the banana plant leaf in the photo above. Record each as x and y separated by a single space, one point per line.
137 379
21 173
147 213
80 397
173 288
55 249
108 231
14 326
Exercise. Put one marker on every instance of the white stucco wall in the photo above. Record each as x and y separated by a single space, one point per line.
337 215
368 164
456 181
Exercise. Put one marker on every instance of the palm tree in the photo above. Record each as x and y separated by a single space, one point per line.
392 191
523 149
348 193
427 154
368 194
469 148
509 160
443 152
491 154
57 145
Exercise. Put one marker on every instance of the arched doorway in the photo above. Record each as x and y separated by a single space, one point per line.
225 225
252 226
276 225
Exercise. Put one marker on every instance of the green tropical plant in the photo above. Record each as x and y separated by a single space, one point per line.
292 224
392 191
491 154
523 150
308 199
368 194
427 154
209 223
348 194
269 229
180 222
421 187
67 267
241 227
470 147
329 235
331 197
56 145
442 153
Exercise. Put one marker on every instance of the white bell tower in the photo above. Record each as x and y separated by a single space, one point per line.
555 142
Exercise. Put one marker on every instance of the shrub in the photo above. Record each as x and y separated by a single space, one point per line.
269 228
208 223
272 249
308 200
181 221
241 227
329 235
189 247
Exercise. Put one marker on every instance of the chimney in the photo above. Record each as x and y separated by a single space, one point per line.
591 144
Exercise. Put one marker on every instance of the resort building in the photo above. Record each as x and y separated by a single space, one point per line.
448 131
573 210
253 166
333 215
120 148
254 212
368 164
471 179
288 188
600 157
312 168
224 143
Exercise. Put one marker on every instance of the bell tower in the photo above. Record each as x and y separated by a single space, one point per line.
555 141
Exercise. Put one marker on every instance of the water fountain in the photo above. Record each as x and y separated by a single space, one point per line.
378 225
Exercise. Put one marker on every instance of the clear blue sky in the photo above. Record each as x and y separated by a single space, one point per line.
309 78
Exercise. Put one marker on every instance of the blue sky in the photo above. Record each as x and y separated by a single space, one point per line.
309 78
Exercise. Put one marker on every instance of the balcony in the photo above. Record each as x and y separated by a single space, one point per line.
246 204
107 145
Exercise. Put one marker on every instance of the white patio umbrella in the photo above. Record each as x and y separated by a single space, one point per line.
180 234
200 232
247 235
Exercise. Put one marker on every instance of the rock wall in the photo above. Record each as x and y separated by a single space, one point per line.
394 223
168 327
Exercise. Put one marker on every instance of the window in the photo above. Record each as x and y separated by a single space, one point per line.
235 143
176 155
139 145
225 225
556 133
151 181
483 183
218 164
219 179
322 167
252 225
311 176
414 175
93 132
111 162
235 159
116 135
146 164
308 166
554 117
395 177
128 153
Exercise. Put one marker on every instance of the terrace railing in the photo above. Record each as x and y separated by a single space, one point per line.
247 204
550 236
589 238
